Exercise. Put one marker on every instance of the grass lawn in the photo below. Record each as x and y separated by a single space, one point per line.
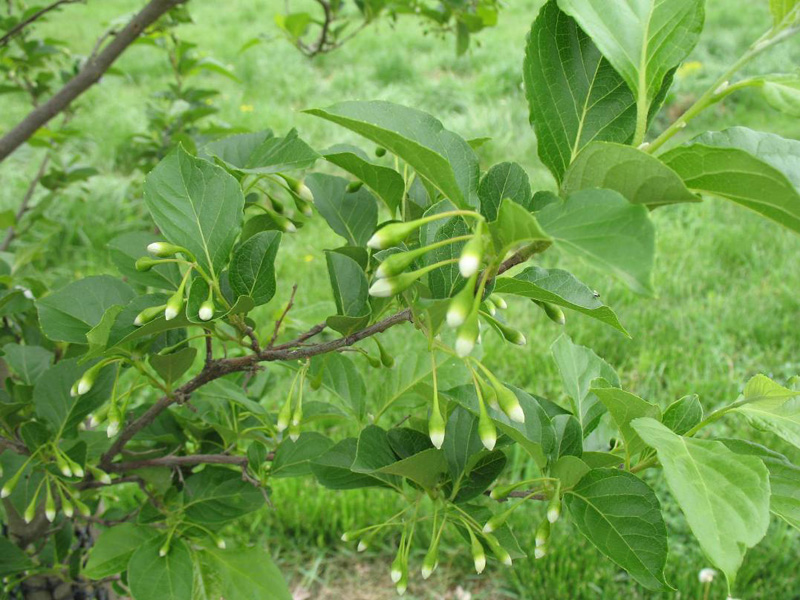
727 280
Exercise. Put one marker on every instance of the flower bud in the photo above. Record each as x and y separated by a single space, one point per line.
402 585
148 314
100 475
8 486
396 263
398 566
509 333
431 560
498 301
86 382
303 206
164 550
436 427
543 533
540 551
363 544
298 187
30 512
495 522
393 233
348 536
471 255
50 506
509 403
380 151
501 492
63 465
165 249
385 288
174 305
478 555
354 186
387 360
145 264
706 575
553 312
285 414
554 508
114 421
461 304
66 507
220 543
490 307
206 312
294 432
284 224
467 335
499 552
73 391
487 431
75 467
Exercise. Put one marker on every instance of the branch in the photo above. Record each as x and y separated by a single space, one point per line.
31 19
11 232
86 78
179 461
9 444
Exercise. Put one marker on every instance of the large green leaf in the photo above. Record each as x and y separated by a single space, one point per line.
461 439
621 515
332 469
515 225
724 495
349 284
504 180
338 374
217 495
55 405
574 94
424 468
29 362
387 183
353 215
373 453
784 479
263 153
760 171
114 547
640 177
170 367
643 39
608 232
155 577
773 407
579 366
293 458
439 156
624 407
241 574
127 248
68 314
558 287
196 205
252 271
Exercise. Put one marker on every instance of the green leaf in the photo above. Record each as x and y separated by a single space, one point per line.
342 377
624 407
13 560
569 435
373 453
263 153
241 574
621 516
784 479
424 468
332 469
154 577
772 407
226 389
127 248
760 171
782 92
640 177
217 495
349 283
608 232
407 442
68 314
114 547
569 470
683 414
781 9
504 180
439 156
446 280
386 183
55 405
643 39
561 288
514 226
485 470
170 367
252 271
725 496
292 459
579 366
28 362
196 205
461 440
574 94
353 215
123 330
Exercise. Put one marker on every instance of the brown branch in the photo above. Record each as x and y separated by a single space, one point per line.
90 74
11 232
179 461
9 444
31 19
280 320
522 256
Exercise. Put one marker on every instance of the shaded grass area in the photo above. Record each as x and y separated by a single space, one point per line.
727 280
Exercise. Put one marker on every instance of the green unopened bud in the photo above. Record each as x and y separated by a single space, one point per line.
467 335
380 151
294 432
509 403
509 333
385 288
145 264
436 427
499 552
487 431
284 224
489 395
30 512
374 362
393 234
73 391
86 382
164 550
316 381
554 508
501 492
398 262
478 555
63 465
543 533
220 543
553 312
8 486
148 314
114 421
50 506
285 414
398 566
490 307
348 536
498 301
402 585
303 206
75 467
100 475
174 305
471 255
540 551
431 560
206 312
363 544
461 305
354 186
298 187
66 505
165 249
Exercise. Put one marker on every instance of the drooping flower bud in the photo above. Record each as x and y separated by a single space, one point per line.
49 505
30 512
145 264
86 382
461 304
402 585
540 551
148 314
66 505
436 427
165 249
285 414
478 554
509 403
554 508
76 468
490 307
8 486
174 305
431 560
220 543
467 335
393 234
387 360
495 522
499 552
384 288
487 431
543 533
298 187
363 544
294 432
63 465
398 566
498 301
206 312
354 186
100 475
164 550
553 312
472 253
114 421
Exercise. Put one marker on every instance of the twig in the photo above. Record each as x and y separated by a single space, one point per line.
179 461
26 200
90 74
279 322
9 444
33 18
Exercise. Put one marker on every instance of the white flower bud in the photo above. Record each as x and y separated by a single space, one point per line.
706 575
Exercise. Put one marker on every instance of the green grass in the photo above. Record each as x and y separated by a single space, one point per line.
727 280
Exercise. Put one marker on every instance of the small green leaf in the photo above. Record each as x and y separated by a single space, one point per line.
621 516
252 271
504 180
154 577
683 414
782 92
332 469
624 407
114 547
170 367
349 283
341 377
14 559
480 475
724 495
515 225
217 495
773 407
29 362
424 468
